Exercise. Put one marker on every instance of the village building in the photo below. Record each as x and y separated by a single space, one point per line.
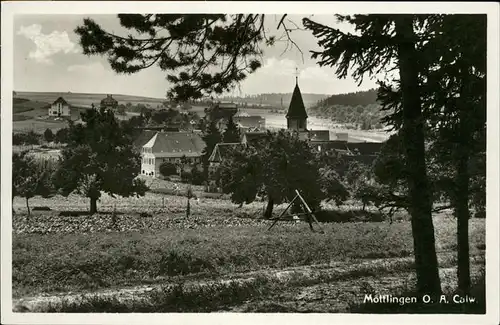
248 138
220 152
109 102
173 147
319 135
342 136
60 108
246 122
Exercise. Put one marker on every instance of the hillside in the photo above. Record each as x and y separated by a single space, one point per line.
275 99
86 99
359 109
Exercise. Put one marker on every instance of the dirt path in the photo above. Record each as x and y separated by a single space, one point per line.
313 286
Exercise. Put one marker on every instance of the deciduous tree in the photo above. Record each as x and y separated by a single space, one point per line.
275 166
99 158
30 178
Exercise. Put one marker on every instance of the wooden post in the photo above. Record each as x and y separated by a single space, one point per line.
308 209
282 213
163 202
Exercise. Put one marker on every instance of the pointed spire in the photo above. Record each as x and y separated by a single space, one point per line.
296 108
296 76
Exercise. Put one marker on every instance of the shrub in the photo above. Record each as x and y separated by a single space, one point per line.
167 169
197 176
62 135
29 138
48 135
186 176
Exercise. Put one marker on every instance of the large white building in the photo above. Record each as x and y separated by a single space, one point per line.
173 147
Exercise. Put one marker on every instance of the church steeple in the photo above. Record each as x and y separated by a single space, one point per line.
296 116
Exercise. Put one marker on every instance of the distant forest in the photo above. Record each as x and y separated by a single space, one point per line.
358 109
274 100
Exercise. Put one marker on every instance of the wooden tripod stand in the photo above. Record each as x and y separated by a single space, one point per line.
310 215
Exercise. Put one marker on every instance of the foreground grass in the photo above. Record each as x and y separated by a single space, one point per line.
68 262
266 294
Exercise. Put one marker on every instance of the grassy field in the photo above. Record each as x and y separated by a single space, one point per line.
62 254
84 99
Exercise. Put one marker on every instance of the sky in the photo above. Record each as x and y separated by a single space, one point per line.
47 57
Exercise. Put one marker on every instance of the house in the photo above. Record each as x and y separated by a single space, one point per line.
60 108
219 111
319 135
251 137
342 136
109 102
173 147
330 145
144 136
248 121
220 152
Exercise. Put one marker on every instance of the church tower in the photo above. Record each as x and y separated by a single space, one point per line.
296 116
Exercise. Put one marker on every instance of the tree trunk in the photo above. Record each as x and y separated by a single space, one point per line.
269 209
413 139
462 215
28 206
188 208
462 200
93 205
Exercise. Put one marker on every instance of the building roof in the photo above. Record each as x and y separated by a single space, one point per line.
332 144
176 144
219 111
60 100
249 121
109 101
319 135
221 151
253 136
241 114
296 108
365 148
143 138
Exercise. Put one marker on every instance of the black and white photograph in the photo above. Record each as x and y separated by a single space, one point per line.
291 159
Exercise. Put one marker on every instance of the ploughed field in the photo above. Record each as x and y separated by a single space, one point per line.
220 258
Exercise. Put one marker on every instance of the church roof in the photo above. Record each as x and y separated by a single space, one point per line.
296 108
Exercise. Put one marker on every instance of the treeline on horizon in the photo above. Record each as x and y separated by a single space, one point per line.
358 109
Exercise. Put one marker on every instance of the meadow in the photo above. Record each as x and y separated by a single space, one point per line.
87 99
220 258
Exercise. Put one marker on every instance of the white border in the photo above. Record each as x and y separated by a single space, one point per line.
9 9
